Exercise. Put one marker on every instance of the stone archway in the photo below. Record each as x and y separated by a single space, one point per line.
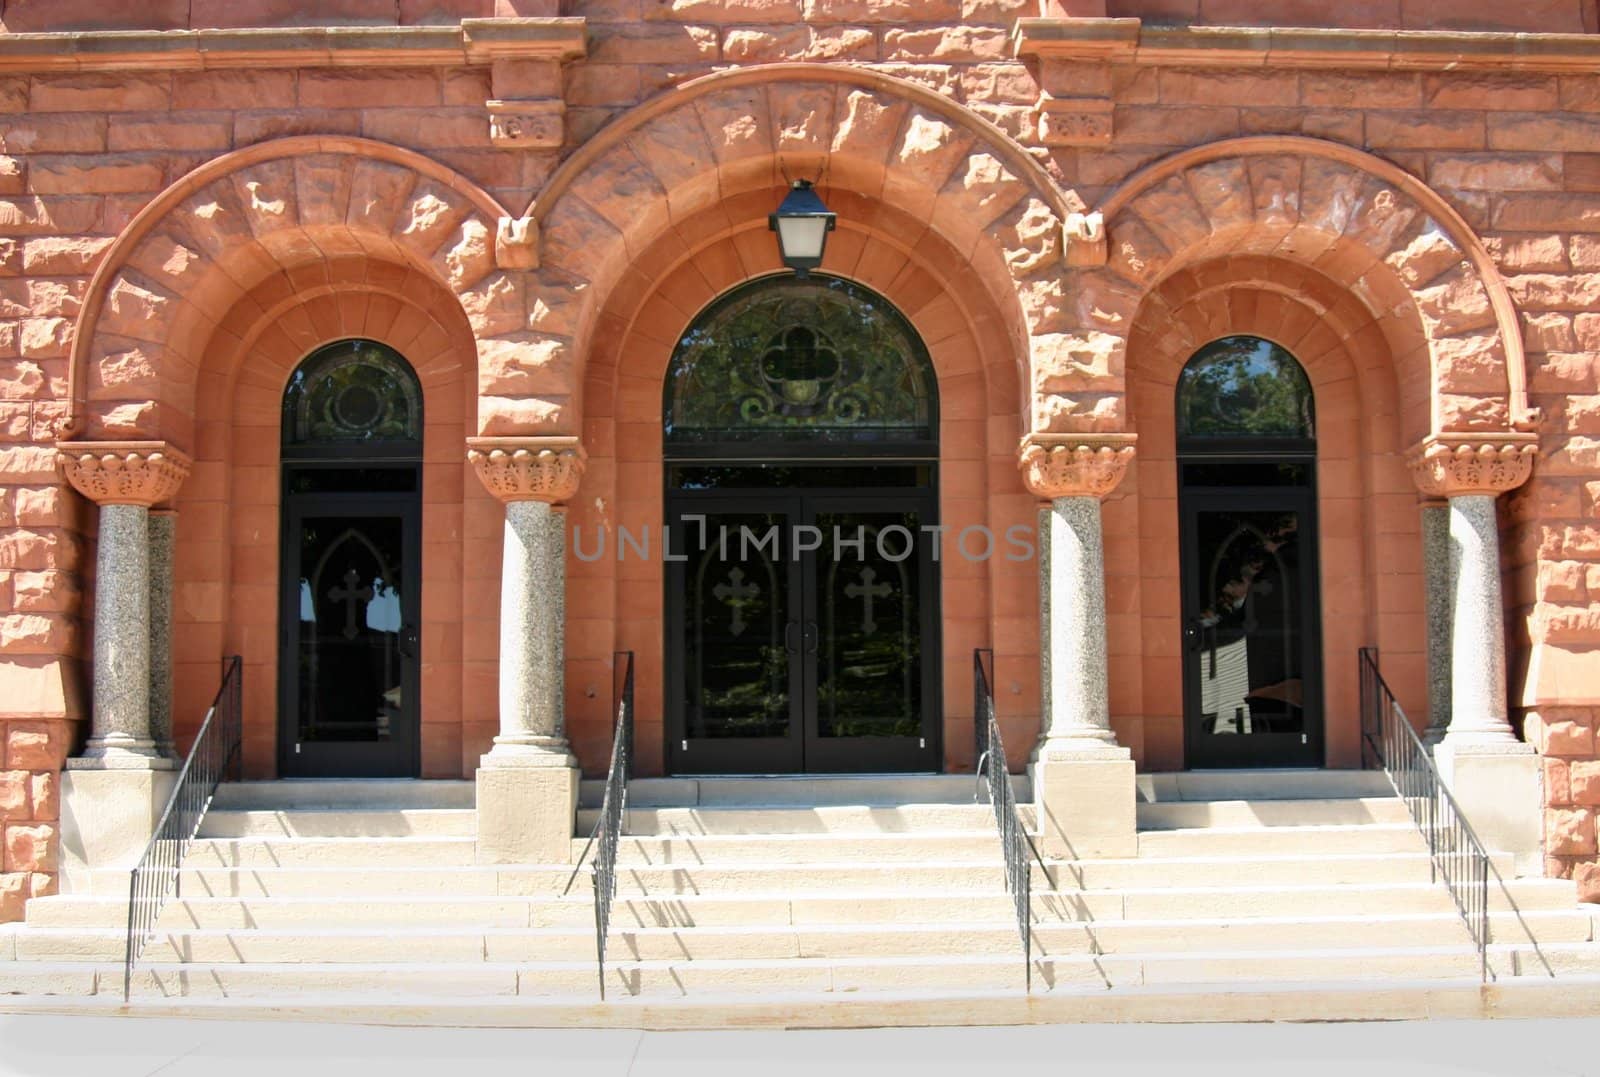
1433 291
699 147
176 276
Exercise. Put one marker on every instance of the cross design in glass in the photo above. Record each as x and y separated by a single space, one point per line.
732 594
354 600
866 590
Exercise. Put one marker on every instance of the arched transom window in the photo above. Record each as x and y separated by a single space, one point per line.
817 360
1244 387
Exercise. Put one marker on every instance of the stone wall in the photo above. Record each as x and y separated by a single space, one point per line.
84 151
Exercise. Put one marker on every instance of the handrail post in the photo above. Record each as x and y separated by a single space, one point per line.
1455 853
1015 843
158 875
613 806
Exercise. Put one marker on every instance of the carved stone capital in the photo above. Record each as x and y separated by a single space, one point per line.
123 472
528 469
1452 465
1074 465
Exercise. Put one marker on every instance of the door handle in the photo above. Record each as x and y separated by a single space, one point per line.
408 641
788 638
1192 635
810 637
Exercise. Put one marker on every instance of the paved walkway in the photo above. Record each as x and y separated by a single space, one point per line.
40 1046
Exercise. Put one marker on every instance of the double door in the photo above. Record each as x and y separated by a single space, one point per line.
802 632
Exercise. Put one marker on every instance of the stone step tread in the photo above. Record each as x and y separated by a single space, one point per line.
894 927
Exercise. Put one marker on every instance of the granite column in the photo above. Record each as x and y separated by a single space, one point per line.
1494 776
113 794
1083 779
528 782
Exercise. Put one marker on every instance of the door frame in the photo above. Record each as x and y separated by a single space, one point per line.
1263 751
349 759
747 755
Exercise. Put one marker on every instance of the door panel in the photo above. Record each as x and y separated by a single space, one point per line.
1252 657
734 636
789 651
869 581
349 678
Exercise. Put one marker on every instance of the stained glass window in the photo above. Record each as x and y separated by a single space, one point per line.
1244 387
818 359
355 391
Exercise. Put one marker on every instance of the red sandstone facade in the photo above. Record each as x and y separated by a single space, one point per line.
531 212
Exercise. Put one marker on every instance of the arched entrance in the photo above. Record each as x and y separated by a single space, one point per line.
1247 502
349 682
800 443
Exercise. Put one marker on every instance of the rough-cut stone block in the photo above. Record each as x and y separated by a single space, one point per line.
121 92
76 175
1569 831
13 896
35 746
30 847
231 14
15 797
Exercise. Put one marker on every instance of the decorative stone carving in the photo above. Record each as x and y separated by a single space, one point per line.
526 124
123 472
1452 465
528 469
516 242
1085 235
1075 122
1075 465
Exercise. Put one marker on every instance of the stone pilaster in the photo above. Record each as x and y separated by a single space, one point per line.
1494 776
528 782
113 795
1083 779
1437 586
163 536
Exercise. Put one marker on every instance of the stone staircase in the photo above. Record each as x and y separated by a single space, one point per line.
848 896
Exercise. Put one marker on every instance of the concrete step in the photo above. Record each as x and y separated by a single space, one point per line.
1281 840
800 791
827 848
295 794
688 979
1236 814
416 852
407 946
835 819
341 823
1265 870
1263 785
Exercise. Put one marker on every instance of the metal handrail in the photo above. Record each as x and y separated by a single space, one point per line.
609 826
1015 841
215 753
1454 851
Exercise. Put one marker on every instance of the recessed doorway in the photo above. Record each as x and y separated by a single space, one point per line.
350 565
1248 524
802 572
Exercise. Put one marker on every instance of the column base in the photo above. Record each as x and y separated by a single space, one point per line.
122 754
108 814
527 806
1497 786
1086 797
